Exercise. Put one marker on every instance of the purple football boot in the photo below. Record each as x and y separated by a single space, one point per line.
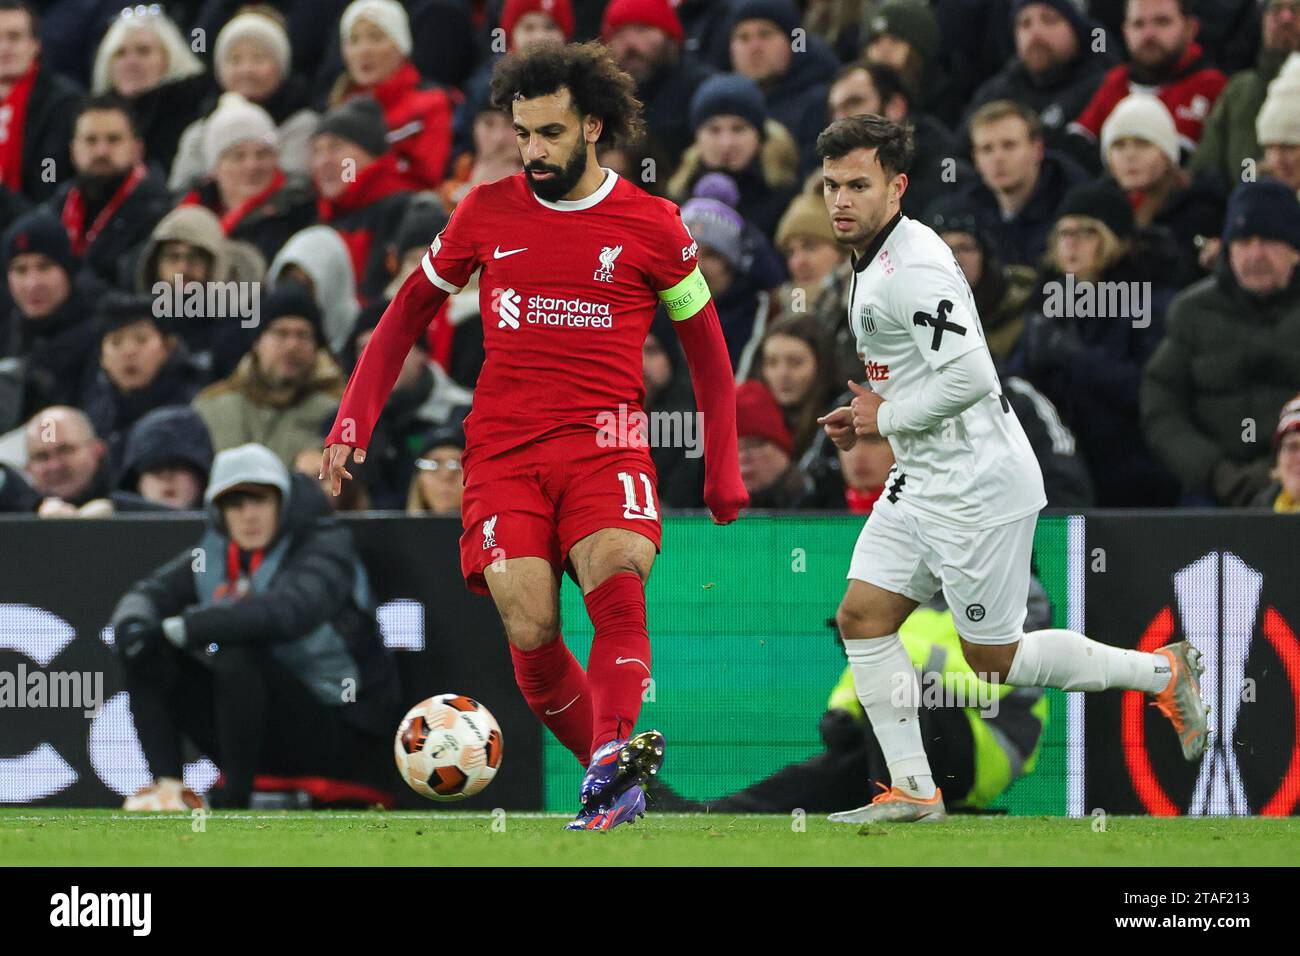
618 766
625 808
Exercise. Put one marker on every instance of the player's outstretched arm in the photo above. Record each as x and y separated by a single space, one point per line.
402 323
715 394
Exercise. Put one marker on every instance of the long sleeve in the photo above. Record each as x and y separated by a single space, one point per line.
956 387
715 394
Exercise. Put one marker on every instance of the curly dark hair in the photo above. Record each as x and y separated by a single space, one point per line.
594 81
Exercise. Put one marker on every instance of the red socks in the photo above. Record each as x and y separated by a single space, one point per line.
620 656
555 687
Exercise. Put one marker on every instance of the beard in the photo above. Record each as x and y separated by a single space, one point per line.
97 187
562 180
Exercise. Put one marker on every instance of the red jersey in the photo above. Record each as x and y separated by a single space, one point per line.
567 293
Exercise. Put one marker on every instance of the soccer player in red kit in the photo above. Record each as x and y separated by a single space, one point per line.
574 261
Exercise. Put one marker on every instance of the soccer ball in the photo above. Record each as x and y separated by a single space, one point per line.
448 747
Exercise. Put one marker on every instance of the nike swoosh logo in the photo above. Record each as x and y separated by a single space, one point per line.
552 713
498 254
632 660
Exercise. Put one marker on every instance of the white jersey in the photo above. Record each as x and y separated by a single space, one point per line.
913 312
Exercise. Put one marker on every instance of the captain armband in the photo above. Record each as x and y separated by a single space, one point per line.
687 297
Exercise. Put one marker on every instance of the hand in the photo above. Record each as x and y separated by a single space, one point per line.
135 636
838 425
865 407
725 499
333 464
56 508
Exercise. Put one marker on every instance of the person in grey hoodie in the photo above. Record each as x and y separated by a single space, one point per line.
259 644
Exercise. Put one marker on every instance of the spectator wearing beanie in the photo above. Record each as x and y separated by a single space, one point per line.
1054 71
244 184
904 34
1278 125
148 62
493 155
48 331
1230 136
1230 352
39 105
1087 354
319 259
734 135
767 468
1139 147
167 459
142 366
376 43
1178 74
793 84
525 23
364 188
1283 494
283 388
253 58
187 246
646 38
1001 290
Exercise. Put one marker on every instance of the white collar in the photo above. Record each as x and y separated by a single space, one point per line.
571 205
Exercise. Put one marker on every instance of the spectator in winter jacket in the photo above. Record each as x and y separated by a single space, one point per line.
1001 290
1139 147
795 363
1231 356
243 181
376 38
1278 124
266 655
364 189
1055 72
436 486
864 87
1283 495
36 109
1096 321
187 247
1165 57
734 135
168 457
283 388
1020 183
1230 136
493 155
49 331
793 84
904 34
114 200
767 468
142 366
318 257
253 57
144 59
646 39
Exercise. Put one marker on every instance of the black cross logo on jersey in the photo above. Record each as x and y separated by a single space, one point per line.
896 487
939 323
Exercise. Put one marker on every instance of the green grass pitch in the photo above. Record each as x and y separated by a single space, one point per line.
440 837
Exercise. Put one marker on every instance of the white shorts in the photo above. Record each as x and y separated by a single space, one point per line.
984 572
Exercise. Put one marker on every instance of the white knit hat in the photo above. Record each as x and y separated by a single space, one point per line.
388 15
254 26
235 120
1278 122
1144 117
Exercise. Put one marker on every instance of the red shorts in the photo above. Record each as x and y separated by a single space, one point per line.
538 500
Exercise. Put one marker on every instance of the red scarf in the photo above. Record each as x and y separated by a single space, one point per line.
74 212
231 218
13 121
861 502
232 587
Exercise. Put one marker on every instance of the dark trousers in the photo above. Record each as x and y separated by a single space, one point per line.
842 777
250 715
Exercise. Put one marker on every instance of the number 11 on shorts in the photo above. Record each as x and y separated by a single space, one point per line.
631 507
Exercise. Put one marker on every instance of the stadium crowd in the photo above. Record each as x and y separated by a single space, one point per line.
207 205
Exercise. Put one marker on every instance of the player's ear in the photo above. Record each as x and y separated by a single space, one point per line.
592 127
900 182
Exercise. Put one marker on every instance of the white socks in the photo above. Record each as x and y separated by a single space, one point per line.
886 683
1070 661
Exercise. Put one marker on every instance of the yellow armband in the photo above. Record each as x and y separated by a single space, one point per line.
687 297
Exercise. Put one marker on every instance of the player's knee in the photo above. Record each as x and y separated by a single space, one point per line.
858 620
528 634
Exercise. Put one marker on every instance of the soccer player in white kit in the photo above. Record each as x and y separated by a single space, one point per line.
960 505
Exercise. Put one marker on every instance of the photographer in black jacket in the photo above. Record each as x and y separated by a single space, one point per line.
260 644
